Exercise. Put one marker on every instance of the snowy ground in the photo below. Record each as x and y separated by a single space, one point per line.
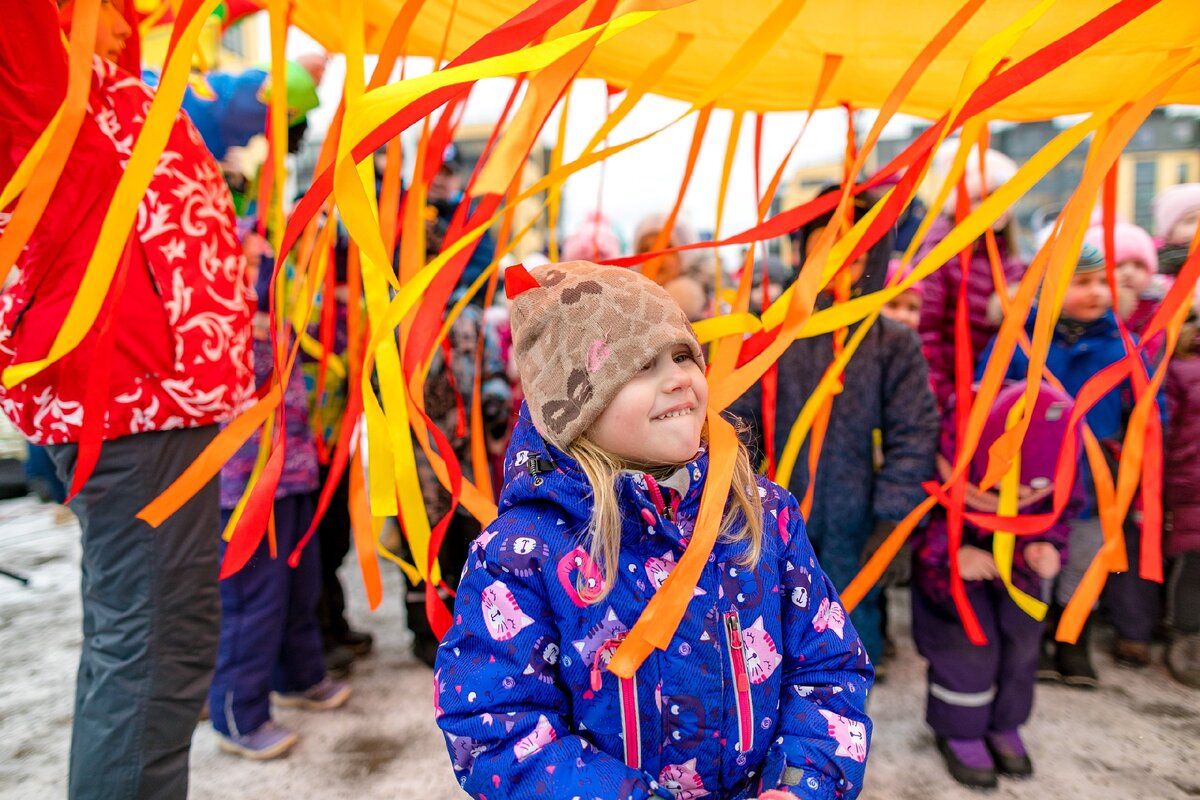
1139 736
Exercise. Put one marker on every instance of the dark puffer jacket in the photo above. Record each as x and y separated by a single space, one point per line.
886 391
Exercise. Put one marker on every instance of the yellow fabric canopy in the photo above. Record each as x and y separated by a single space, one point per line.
877 40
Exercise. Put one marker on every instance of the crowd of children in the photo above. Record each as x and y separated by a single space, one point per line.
533 651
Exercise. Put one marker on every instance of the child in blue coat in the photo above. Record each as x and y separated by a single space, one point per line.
763 684
1086 340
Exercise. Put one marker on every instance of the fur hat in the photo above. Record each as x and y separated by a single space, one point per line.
1131 244
580 332
1172 205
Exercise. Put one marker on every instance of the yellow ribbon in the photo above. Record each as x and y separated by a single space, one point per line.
1004 543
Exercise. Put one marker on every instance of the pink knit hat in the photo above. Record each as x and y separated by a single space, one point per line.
594 240
1172 205
1132 244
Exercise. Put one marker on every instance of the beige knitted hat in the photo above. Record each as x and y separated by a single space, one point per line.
580 332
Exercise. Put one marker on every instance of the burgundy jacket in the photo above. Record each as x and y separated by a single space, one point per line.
1181 456
941 298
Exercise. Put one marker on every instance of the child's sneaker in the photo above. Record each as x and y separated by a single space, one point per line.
1183 659
264 743
325 695
969 762
1009 753
1129 653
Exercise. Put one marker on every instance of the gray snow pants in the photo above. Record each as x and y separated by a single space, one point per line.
151 618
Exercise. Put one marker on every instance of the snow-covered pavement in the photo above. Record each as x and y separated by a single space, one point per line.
1138 736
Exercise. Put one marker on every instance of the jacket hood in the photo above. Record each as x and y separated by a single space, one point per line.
538 473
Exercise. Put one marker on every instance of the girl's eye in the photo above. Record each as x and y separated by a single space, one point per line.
649 365
681 358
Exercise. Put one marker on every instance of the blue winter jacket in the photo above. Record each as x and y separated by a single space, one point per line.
1074 360
763 685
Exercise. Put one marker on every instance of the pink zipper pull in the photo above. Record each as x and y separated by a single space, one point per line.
597 679
655 494
597 674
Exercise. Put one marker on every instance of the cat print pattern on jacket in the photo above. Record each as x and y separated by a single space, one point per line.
763 685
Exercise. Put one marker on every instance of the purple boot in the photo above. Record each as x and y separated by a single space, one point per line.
969 762
1009 753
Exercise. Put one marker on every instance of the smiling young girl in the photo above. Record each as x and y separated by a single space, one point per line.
763 683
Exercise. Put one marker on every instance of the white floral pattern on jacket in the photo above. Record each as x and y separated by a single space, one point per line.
188 295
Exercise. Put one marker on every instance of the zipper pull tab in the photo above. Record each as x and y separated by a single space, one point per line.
735 630
597 679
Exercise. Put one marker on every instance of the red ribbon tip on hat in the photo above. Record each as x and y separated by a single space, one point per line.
517 279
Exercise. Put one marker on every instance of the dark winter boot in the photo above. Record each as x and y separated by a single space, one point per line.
969 762
357 642
338 662
1128 653
1075 661
1047 668
1183 659
1009 752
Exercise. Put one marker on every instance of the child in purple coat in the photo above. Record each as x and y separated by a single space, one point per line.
271 648
980 695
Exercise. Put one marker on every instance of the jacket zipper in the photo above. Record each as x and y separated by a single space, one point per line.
741 682
631 731
660 505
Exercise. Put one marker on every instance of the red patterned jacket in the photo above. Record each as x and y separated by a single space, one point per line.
181 353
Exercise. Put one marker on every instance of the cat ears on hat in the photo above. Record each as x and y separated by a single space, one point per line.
517 279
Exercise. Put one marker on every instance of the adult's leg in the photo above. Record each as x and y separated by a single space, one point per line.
150 617
43 480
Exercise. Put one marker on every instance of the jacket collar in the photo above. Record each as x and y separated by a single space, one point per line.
537 472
